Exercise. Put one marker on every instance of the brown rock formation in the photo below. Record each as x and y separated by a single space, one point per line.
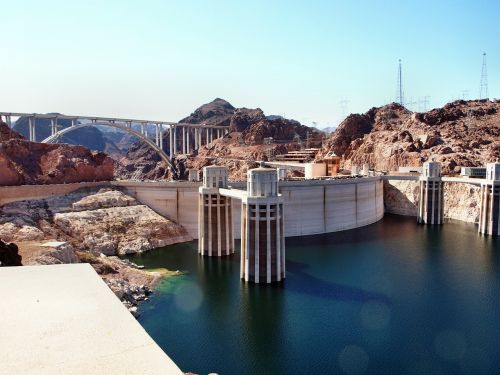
218 112
7 133
462 133
24 162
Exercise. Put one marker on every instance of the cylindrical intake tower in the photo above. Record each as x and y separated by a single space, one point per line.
215 237
262 232
430 207
489 215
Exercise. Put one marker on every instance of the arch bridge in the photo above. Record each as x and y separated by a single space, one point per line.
184 138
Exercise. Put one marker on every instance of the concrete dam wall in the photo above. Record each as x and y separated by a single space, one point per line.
311 207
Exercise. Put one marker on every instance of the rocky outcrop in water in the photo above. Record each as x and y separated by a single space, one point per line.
462 133
130 283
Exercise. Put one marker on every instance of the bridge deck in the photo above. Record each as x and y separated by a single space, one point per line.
49 116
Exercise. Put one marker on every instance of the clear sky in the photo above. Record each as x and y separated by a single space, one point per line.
160 60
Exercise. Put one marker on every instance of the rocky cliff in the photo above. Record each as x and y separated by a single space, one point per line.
461 201
23 162
462 133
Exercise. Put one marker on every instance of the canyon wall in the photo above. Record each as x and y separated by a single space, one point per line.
461 201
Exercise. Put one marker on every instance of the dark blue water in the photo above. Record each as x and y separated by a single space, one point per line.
393 297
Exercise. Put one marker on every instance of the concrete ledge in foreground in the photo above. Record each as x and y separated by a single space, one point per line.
63 319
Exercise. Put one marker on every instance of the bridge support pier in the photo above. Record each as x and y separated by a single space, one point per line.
215 237
31 127
184 140
489 215
171 135
161 137
175 140
8 121
262 234
430 208
53 126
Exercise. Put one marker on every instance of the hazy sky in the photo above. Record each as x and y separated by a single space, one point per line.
160 60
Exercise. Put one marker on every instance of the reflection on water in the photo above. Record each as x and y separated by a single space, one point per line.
393 297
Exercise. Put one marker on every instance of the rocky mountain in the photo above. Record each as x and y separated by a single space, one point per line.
248 128
218 112
24 162
89 137
462 133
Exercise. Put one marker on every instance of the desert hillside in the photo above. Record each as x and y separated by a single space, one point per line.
462 133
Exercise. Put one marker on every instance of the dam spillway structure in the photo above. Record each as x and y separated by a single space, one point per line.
489 214
215 226
262 231
431 202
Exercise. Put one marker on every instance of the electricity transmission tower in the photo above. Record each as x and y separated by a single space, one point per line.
423 104
483 86
298 141
399 90
269 141
343 109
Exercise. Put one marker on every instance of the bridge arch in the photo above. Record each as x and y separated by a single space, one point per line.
123 127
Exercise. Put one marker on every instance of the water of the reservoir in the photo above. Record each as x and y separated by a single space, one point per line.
390 298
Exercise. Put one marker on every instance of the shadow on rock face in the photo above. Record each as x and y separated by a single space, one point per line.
9 255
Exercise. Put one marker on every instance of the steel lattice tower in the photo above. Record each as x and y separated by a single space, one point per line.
483 87
399 90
